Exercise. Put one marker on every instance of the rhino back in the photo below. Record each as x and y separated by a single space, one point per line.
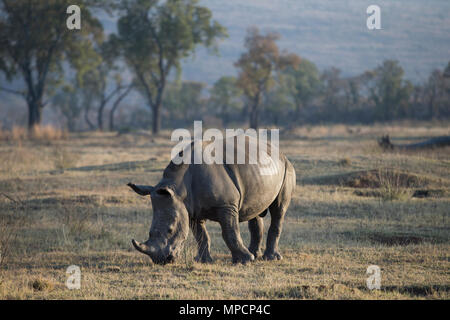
249 188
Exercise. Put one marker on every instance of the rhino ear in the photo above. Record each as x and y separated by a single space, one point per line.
165 191
142 190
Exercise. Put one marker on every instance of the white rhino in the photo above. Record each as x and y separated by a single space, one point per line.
190 194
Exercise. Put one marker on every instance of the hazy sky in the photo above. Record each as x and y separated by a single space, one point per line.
334 33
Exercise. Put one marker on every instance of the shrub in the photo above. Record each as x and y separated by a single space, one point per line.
392 185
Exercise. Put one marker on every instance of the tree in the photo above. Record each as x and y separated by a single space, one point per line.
68 101
34 43
156 35
225 97
277 102
389 92
183 99
447 78
105 81
435 92
331 87
302 84
257 67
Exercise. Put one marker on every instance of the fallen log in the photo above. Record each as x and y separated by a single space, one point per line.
437 142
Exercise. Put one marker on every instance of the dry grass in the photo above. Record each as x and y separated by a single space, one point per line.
80 212
37 133
64 159
11 223
47 133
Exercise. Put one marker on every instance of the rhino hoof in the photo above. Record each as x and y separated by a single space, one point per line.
204 259
272 256
243 258
256 253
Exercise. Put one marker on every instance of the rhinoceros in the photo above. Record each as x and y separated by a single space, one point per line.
190 194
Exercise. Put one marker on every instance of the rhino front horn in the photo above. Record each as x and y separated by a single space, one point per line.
141 247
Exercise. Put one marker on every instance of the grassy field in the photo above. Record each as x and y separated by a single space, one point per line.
65 202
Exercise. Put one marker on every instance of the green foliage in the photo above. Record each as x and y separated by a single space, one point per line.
182 99
332 85
225 97
277 103
389 91
437 93
302 83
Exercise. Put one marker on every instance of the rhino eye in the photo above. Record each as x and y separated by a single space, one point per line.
170 231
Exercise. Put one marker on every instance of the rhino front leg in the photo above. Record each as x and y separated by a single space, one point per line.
256 228
203 241
229 222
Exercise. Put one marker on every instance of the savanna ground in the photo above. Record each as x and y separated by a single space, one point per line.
65 202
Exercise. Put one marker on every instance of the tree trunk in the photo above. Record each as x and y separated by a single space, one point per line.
254 113
116 105
34 113
111 118
157 108
100 116
254 118
431 108
298 109
224 115
70 123
156 118
86 118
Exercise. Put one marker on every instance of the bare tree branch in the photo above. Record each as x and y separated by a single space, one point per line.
17 92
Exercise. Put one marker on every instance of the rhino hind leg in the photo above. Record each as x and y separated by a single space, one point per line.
277 211
256 228
203 241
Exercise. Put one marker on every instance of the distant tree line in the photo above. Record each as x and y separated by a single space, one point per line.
81 74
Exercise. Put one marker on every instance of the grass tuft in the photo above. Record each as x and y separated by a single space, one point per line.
41 284
394 185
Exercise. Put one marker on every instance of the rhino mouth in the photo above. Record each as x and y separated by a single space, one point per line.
152 253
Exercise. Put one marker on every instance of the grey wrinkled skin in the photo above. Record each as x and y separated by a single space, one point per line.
190 194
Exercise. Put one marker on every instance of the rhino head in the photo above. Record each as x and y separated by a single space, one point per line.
170 225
